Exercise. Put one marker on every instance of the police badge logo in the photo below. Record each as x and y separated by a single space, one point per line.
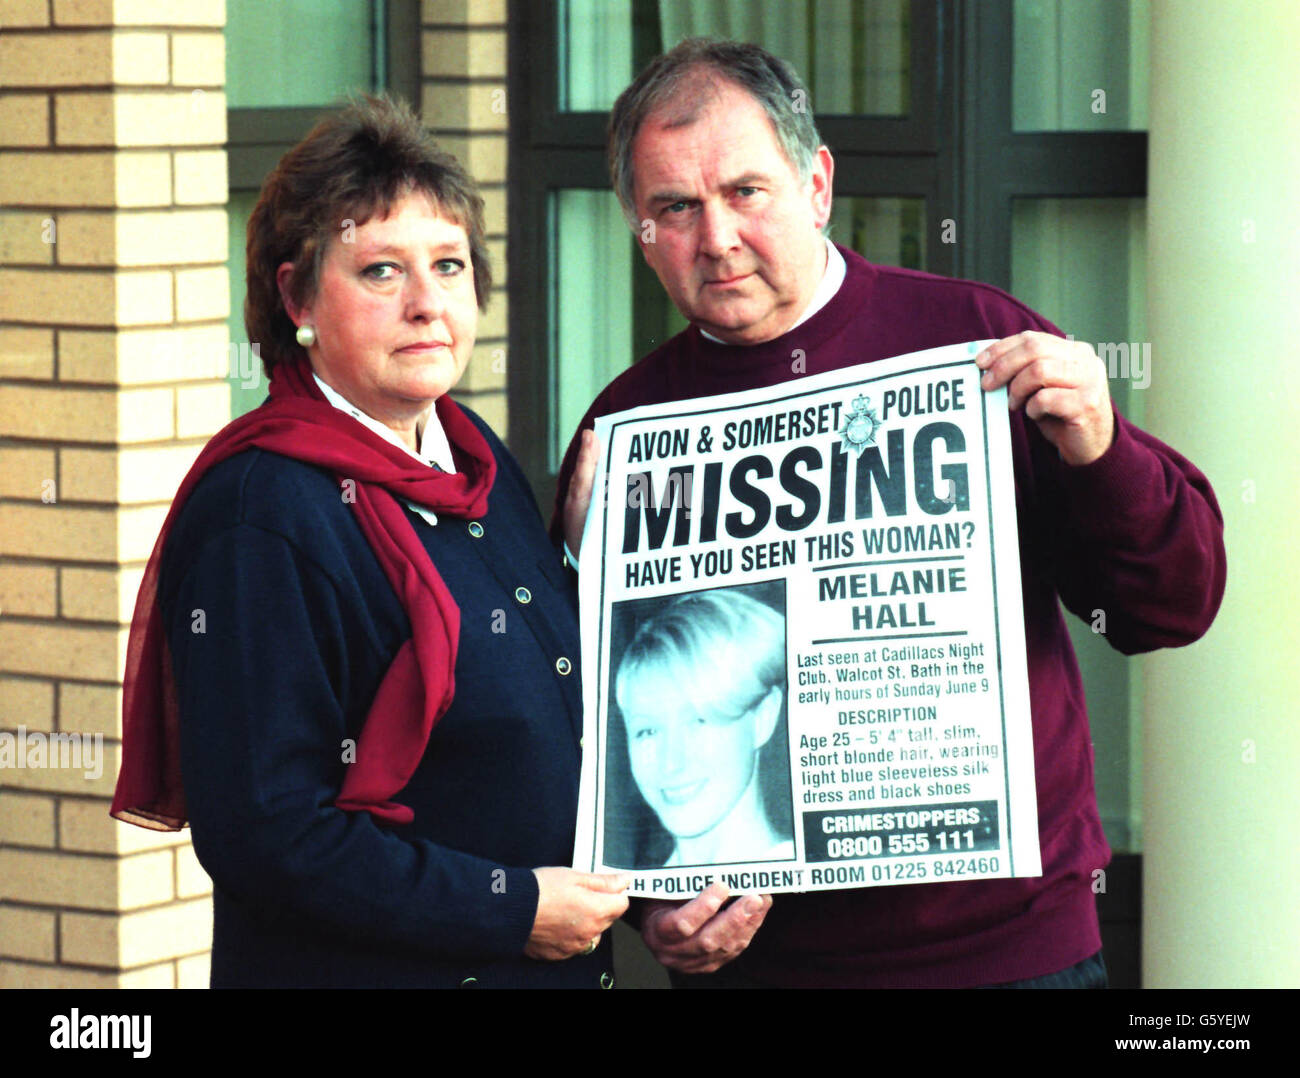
860 426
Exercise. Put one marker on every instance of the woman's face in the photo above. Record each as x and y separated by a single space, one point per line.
395 312
691 767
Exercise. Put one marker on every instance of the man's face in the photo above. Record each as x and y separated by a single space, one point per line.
736 239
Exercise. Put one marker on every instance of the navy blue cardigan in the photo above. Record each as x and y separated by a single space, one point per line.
281 625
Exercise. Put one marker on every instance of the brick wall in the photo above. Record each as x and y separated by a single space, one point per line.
113 295
463 100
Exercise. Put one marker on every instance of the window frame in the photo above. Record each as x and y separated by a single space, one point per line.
1000 164
257 138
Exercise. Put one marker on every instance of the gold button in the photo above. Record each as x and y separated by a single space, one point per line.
476 529
469 982
607 980
523 595
563 666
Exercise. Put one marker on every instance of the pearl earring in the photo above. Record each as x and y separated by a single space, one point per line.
306 336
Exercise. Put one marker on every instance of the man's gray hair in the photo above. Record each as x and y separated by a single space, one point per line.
693 69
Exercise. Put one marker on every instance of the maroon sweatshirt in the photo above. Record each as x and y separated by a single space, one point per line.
1137 533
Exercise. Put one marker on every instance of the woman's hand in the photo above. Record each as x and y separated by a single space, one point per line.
573 909
578 500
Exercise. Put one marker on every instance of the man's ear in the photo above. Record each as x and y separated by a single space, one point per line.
283 275
765 714
823 173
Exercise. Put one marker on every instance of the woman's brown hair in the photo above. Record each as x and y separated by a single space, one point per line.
354 164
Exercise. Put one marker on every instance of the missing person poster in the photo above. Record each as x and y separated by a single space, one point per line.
802 638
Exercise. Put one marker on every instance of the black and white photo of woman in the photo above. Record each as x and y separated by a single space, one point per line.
701 691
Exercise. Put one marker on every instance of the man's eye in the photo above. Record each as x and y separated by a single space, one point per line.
746 192
677 207
450 267
380 271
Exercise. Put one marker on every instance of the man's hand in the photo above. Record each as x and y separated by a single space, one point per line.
1062 387
695 937
573 909
578 500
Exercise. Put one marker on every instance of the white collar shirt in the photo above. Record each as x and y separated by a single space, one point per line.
435 450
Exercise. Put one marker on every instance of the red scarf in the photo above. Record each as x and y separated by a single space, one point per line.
298 422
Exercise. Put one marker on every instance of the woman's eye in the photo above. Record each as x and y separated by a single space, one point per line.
380 271
449 267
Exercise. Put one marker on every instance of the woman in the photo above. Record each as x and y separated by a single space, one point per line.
370 711
701 689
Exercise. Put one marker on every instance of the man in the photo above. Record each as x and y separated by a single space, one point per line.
728 187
